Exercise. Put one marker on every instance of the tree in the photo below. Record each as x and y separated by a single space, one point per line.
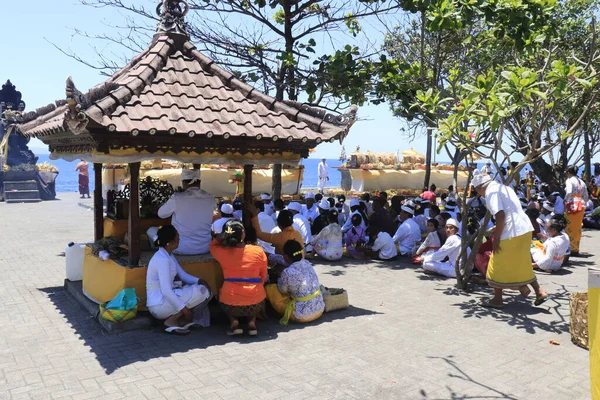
537 101
272 45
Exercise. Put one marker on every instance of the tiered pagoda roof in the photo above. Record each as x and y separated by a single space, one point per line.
173 101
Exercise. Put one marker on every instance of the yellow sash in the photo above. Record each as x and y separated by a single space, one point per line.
292 304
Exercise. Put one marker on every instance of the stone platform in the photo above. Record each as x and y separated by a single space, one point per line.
407 335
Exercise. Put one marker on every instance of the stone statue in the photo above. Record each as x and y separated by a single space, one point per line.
18 151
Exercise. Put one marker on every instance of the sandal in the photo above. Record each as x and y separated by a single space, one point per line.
234 332
176 330
486 303
540 300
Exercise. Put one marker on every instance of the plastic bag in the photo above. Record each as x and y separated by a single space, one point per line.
124 300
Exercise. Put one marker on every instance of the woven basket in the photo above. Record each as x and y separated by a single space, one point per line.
117 315
338 300
578 304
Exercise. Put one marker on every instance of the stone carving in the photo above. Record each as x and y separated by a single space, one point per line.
11 108
172 16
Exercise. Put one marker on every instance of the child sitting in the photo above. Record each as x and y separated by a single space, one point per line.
355 238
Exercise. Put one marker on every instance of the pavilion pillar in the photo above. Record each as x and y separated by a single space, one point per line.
98 203
134 214
198 166
247 191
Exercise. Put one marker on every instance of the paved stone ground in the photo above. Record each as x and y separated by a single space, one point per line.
406 336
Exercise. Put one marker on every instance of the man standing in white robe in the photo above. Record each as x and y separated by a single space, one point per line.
323 175
191 214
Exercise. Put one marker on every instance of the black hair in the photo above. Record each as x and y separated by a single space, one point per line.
233 230
318 197
572 169
433 209
446 215
293 250
166 234
332 216
435 222
373 229
383 194
356 219
331 201
278 204
366 197
532 213
433 188
238 205
285 219
260 206
341 198
558 222
451 188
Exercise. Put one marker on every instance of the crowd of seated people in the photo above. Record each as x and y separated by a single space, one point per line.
430 230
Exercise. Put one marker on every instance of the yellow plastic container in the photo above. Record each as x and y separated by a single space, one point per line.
594 330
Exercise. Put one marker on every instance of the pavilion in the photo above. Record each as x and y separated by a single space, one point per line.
172 101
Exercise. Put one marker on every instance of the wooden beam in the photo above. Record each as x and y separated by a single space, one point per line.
247 191
134 214
98 203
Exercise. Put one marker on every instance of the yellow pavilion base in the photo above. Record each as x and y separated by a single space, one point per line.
102 280
118 227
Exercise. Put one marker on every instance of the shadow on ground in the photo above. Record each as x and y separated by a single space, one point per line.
518 311
461 375
114 351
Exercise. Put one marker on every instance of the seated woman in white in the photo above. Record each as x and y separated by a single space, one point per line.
328 242
433 262
551 256
180 307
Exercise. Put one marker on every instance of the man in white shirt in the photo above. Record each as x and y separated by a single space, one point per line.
226 215
300 224
323 174
191 214
510 263
559 203
487 168
434 261
473 168
310 210
269 206
408 233
383 245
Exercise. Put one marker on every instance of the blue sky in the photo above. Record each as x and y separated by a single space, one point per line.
39 70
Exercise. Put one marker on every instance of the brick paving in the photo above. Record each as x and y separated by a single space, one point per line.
407 335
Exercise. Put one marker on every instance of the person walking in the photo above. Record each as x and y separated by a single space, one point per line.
576 195
510 262
323 174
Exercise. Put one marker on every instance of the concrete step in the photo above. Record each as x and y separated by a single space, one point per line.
20 195
142 320
23 201
20 185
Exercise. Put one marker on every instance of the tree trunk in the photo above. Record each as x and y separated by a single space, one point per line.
547 173
587 157
428 158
